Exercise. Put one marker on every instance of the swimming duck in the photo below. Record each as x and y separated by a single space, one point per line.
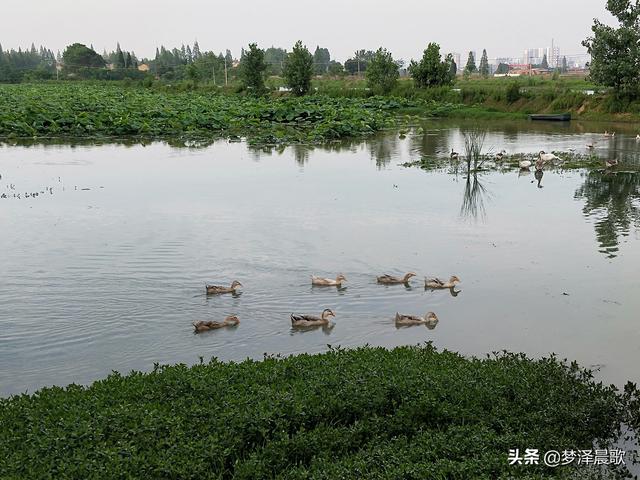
525 164
390 280
638 137
611 163
230 321
591 145
454 155
500 155
437 283
319 281
311 320
607 134
216 289
430 320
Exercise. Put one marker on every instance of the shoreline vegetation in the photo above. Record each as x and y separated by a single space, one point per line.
411 413
338 109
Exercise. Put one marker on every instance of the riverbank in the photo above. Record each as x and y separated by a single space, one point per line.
411 412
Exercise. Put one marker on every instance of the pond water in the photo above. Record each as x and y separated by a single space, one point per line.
105 268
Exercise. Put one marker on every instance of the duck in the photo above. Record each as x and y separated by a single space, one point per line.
216 289
525 164
591 145
638 137
327 282
500 155
390 280
607 134
311 320
611 163
430 320
202 326
454 155
437 283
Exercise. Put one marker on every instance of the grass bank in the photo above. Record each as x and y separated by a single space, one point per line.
408 413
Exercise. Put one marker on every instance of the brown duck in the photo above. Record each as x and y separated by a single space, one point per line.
391 280
216 289
202 326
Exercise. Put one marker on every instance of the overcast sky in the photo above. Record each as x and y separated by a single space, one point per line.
503 27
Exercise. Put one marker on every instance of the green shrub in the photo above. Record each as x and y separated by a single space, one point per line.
513 92
408 413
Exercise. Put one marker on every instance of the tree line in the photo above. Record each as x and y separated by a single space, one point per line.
615 62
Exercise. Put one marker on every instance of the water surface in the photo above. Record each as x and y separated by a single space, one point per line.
105 268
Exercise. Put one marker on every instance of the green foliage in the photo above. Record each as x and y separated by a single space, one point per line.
18 65
335 68
513 92
321 60
431 70
408 413
359 62
615 52
382 73
83 110
484 65
470 67
502 69
252 69
274 58
77 57
298 69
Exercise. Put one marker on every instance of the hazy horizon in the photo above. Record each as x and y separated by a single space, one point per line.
504 27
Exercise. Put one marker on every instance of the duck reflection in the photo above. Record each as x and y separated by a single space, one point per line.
473 200
452 290
326 329
613 201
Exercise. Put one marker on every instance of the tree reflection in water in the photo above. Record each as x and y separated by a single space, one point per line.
613 201
473 201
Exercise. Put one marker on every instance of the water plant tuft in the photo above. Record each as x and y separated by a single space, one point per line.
410 413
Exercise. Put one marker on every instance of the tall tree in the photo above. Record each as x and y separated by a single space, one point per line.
321 60
471 64
545 62
382 73
196 50
614 51
252 68
120 63
484 64
298 69
274 57
431 70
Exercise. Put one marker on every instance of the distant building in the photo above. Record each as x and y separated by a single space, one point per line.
143 67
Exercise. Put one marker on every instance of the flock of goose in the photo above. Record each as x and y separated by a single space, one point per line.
430 320
544 158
